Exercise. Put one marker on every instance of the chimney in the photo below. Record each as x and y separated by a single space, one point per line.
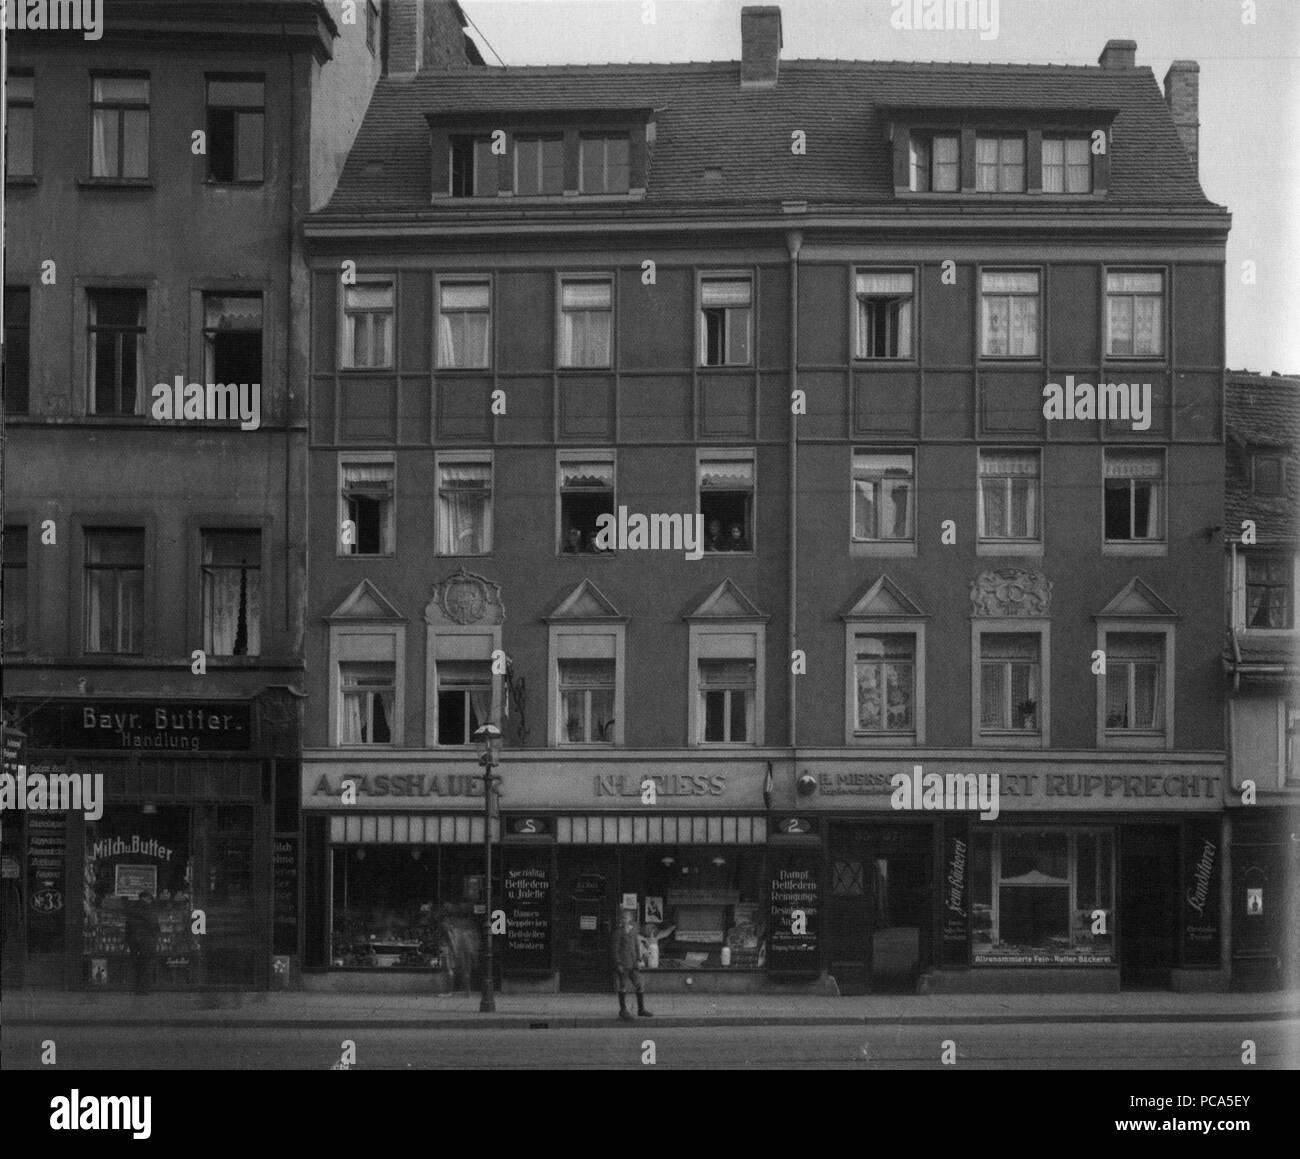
1182 85
405 37
1119 54
760 46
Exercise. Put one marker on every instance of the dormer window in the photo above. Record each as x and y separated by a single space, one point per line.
1000 163
1067 165
935 162
605 163
473 167
539 166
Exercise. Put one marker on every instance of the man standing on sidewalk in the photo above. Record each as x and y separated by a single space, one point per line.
626 949
142 941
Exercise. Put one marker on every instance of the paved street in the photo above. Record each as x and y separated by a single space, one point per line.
1108 1046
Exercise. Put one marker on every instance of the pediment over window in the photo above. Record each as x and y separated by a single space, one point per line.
726 602
881 599
585 602
366 604
1136 601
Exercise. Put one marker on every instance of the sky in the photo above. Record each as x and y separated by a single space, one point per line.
1248 50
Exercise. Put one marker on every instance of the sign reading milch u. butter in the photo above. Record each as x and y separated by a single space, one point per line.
171 725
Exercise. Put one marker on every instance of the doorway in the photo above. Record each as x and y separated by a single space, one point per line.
1148 904
586 908
879 907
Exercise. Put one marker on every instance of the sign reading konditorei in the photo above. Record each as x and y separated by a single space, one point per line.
143 725
1200 904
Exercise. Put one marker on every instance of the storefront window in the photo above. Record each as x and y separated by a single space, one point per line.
699 906
1044 897
405 905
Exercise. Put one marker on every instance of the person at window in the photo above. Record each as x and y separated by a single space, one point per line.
573 541
626 950
736 540
714 539
142 941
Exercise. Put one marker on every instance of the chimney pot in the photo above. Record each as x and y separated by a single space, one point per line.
1182 89
1119 54
760 45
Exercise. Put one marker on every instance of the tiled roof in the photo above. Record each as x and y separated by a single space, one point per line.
705 120
1261 413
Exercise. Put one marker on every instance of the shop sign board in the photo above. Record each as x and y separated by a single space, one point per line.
526 884
1200 903
170 726
955 893
794 912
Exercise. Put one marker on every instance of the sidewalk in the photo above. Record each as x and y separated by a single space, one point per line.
301 1009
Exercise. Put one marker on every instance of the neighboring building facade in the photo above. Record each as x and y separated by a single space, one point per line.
154 566
816 303
1261 660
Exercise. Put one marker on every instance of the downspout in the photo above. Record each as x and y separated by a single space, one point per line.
1232 619
794 242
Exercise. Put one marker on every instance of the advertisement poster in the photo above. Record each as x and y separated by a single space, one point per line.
527 886
795 912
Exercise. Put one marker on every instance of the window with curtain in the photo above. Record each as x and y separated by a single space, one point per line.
115 346
1009 495
604 161
725 321
369 698
1132 495
368 508
885 305
114 591
883 486
1135 694
586 319
586 492
464 699
1270 586
587 701
1135 313
539 166
119 120
1009 313
884 671
935 162
236 128
464 325
20 141
18 349
14 611
1010 680
464 508
474 167
1000 164
368 324
727 701
1067 165
232 593
727 503
232 337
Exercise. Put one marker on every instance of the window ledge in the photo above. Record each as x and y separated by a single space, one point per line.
885 740
1009 547
20 181
858 548
251 183
1135 740
348 371
114 183
1010 740
367 555
1150 549
909 362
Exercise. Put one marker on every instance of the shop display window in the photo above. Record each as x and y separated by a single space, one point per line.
1044 897
699 906
406 906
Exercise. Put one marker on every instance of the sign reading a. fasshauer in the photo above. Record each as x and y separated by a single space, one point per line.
794 911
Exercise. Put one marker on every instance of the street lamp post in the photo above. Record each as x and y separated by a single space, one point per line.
489 756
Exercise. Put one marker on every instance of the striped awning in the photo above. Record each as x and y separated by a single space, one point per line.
403 829
659 830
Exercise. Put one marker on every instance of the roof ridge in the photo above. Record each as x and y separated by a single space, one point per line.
515 70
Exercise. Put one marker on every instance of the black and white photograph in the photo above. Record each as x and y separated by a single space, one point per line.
641 535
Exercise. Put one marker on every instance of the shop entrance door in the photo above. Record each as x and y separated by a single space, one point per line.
1148 899
879 907
588 879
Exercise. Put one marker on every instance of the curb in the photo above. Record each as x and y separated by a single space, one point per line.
591 1022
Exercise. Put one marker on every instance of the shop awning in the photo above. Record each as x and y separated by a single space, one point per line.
652 830
401 829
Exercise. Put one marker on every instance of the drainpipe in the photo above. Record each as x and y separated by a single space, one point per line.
794 242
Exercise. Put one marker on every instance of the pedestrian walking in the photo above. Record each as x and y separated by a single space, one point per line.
626 949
